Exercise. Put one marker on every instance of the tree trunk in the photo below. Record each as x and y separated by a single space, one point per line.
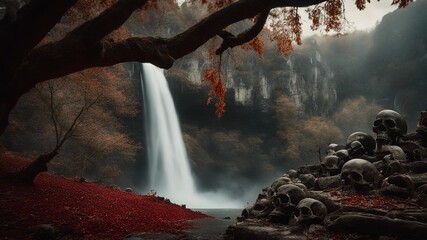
29 173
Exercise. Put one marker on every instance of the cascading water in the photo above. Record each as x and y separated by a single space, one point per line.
169 170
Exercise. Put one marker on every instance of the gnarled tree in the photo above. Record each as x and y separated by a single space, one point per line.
26 61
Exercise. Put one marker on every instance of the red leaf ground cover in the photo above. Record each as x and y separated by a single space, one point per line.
378 201
91 211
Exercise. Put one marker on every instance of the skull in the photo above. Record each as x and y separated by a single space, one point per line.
333 148
285 200
307 179
389 126
310 210
359 174
343 155
292 173
367 141
277 183
399 185
300 185
331 163
356 149
260 209
395 151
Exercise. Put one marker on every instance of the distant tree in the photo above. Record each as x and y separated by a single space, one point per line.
355 115
26 59
83 112
289 119
318 133
303 137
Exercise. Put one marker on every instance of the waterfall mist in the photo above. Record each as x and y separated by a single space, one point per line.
168 163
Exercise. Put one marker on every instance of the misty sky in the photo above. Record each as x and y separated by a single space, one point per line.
359 20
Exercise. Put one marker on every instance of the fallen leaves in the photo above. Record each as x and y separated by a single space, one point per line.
90 210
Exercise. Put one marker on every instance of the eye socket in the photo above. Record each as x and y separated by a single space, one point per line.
283 199
355 177
305 211
390 123
258 207
377 122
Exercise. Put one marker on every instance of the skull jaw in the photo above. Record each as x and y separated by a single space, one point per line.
383 138
281 214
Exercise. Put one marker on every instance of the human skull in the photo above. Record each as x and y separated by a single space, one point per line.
359 174
277 183
292 173
390 166
367 141
356 149
310 210
300 185
307 179
331 164
342 154
399 185
331 148
260 209
389 126
395 151
285 200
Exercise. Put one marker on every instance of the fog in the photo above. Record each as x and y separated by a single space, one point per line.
384 68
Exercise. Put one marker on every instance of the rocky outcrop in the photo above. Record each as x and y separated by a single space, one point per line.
304 76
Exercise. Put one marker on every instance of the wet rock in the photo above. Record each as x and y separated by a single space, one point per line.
252 229
43 232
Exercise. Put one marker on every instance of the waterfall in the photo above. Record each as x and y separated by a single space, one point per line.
168 164
169 169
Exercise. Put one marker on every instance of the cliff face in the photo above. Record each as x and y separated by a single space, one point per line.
252 82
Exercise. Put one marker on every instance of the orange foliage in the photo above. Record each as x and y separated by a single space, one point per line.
314 15
361 4
285 28
401 3
217 90
334 14
256 45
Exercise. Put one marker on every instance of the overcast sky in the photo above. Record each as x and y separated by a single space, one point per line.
360 20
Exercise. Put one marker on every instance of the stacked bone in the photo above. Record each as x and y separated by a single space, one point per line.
394 164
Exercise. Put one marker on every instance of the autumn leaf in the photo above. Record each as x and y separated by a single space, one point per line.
217 91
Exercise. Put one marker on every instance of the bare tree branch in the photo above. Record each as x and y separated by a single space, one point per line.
230 41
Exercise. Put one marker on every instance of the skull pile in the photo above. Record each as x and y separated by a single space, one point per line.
363 164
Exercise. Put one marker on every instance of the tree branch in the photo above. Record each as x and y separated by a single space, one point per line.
109 20
230 41
85 47
33 22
